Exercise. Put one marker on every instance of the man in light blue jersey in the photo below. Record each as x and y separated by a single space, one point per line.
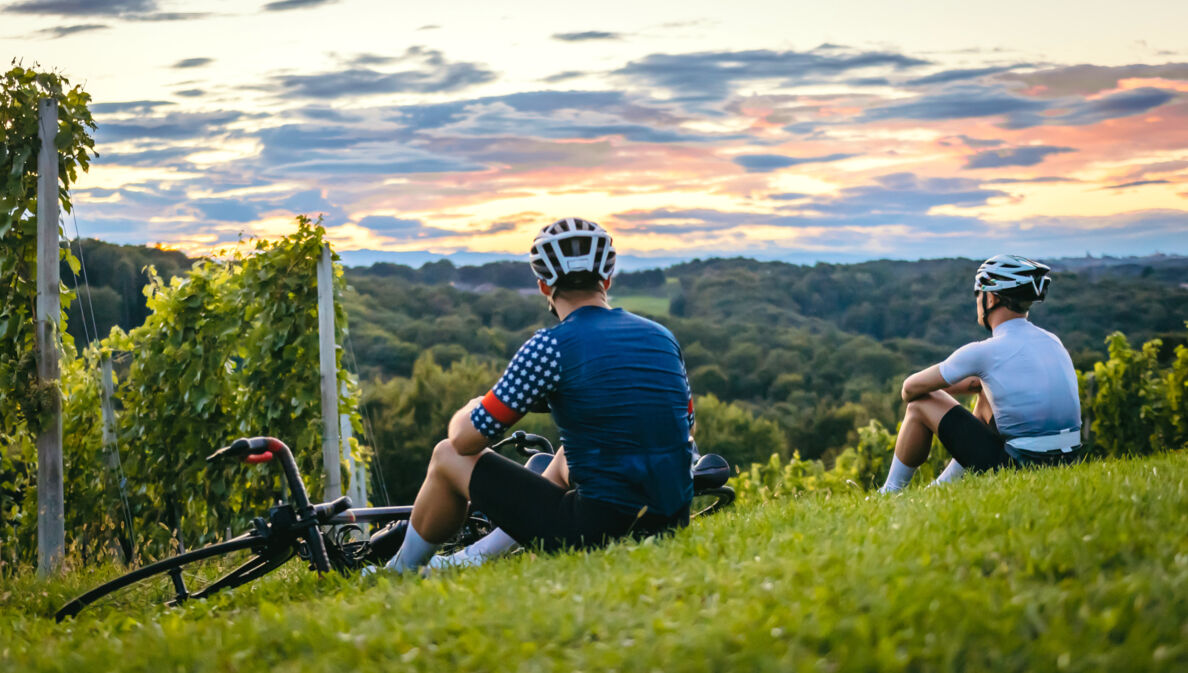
1028 409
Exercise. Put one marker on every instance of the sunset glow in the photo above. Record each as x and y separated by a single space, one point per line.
838 133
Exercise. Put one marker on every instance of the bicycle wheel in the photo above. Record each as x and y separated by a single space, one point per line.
710 500
194 574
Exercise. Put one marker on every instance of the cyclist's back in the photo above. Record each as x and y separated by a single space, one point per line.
1028 375
622 407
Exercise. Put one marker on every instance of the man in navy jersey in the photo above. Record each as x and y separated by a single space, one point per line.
616 386
1028 409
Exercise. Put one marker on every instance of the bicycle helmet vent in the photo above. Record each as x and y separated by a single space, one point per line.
1013 276
569 246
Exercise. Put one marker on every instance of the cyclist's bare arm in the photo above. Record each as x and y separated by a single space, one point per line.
923 382
467 440
968 386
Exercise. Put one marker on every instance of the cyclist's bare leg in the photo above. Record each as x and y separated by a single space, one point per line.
558 470
920 421
912 444
440 507
982 409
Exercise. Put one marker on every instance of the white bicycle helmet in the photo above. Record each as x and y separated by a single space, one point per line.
1014 277
569 246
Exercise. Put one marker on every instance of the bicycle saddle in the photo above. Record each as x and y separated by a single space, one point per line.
711 471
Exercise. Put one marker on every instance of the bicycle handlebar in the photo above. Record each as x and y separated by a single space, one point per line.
247 448
523 443
263 449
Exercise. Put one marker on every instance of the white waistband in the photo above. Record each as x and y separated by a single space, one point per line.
1064 441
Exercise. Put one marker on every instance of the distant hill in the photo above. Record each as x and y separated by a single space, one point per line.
844 293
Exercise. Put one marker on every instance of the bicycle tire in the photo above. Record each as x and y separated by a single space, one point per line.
723 497
262 559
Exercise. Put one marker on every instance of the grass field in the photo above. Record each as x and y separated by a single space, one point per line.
641 303
1076 569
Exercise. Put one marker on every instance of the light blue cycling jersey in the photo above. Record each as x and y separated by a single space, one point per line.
617 389
1028 377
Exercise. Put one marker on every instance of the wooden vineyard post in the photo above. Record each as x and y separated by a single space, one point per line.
331 455
51 533
357 470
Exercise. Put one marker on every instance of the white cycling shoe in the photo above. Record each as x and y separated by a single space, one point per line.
459 559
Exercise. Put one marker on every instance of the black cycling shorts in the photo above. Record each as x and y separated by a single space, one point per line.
536 512
973 444
978 447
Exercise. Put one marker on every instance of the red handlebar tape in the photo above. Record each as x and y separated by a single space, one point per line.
256 458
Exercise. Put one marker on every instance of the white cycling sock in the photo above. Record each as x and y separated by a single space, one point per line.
495 543
898 476
953 472
414 552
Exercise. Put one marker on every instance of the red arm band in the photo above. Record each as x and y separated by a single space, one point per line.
500 411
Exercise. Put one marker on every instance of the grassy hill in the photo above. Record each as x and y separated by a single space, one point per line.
1076 569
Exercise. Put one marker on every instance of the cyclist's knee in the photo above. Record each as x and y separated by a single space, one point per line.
444 452
915 408
929 409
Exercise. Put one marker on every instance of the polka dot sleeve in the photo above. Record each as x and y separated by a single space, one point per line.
533 373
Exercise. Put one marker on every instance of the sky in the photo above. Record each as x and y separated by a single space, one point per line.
839 131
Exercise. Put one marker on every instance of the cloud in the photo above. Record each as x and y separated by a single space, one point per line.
302 149
134 106
1080 80
1085 112
283 5
63 31
714 75
869 81
901 199
904 194
193 62
562 76
167 16
151 157
371 59
1138 183
632 132
431 73
765 163
328 114
1158 167
979 142
686 221
190 93
114 8
586 115
499 227
226 210
586 36
961 103
131 10
1029 155
401 230
946 76
1023 181
540 103
173 126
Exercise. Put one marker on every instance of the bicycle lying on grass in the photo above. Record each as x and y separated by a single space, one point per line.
328 536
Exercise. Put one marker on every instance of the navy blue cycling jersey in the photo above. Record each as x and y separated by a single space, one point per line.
617 389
